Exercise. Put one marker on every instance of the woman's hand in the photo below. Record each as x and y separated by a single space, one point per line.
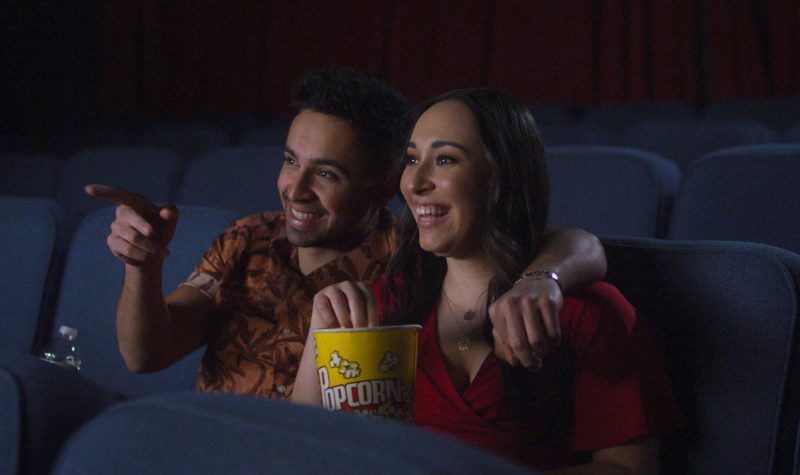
525 322
346 304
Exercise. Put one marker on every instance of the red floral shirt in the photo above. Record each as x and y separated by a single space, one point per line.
252 273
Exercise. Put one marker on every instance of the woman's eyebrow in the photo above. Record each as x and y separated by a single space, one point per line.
442 143
448 143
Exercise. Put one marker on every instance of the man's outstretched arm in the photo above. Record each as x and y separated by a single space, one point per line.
525 319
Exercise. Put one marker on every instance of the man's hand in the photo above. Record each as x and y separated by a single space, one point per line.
525 321
346 304
141 231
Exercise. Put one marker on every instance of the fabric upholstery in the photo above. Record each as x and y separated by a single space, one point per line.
91 285
151 172
742 194
686 141
186 140
43 404
725 315
30 248
238 178
29 174
185 433
611 190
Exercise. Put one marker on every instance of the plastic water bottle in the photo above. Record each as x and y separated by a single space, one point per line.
61 350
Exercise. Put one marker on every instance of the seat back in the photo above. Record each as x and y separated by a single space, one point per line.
273 135
184 139
42 404
238 178
239 434
91 285
616 118
792 135
686 141
779 113
149 171
30 249
558 135
611 190
725 315
742 194
29 174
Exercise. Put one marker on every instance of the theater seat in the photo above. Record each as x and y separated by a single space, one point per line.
742 194
54 401
611 190
31 249
686 141
91 284
190 433
43 404
238 178
725 315
149 171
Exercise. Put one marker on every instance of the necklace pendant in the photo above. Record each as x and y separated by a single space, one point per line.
464 343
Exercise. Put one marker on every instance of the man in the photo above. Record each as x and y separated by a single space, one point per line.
249 299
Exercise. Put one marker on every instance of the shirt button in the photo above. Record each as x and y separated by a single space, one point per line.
281 389
287 332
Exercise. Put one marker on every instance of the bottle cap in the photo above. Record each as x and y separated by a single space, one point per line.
68 331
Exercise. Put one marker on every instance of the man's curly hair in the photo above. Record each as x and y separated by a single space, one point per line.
367 101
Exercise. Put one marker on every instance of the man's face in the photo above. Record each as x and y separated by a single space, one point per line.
326 192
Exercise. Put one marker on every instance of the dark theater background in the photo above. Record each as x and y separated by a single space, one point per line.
79 62
671 130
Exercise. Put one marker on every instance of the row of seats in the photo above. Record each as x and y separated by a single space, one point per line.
744 193
194 135
680 139
778 113
725 314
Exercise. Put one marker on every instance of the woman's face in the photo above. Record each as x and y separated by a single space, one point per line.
445 180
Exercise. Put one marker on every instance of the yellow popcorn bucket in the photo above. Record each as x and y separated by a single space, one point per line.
368 371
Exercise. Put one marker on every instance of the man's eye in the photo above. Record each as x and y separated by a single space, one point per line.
327 174
289 160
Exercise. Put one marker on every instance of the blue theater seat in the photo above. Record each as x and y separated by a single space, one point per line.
779 113
616 118
550 113
91 284
725 315
266 135
31 247
611 190
184 139
29 174
573 134
42 404
686 141
792 135
743 194
238 178
149 171
187 433
54 401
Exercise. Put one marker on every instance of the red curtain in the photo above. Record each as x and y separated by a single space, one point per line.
184 58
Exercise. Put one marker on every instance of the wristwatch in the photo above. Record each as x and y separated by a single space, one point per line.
539 275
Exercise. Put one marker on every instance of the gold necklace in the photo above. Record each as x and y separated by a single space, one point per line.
464 342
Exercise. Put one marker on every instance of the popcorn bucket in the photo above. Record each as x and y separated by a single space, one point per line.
368 371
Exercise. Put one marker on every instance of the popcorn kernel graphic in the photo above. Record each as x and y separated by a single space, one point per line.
336 360
350 369
389 362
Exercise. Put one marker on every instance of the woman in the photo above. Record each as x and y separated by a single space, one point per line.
475 182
